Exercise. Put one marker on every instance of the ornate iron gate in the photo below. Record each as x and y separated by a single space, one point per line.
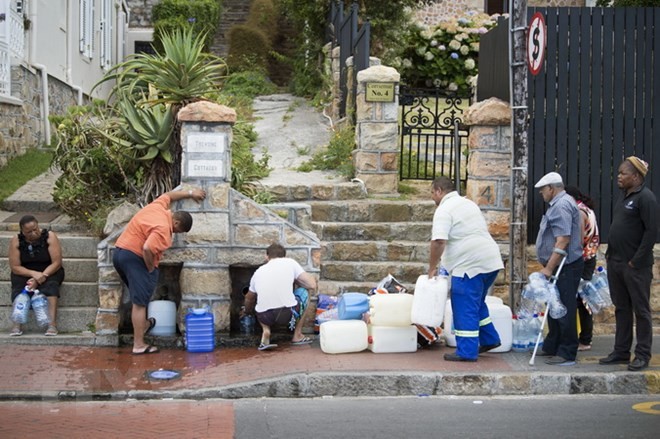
432 135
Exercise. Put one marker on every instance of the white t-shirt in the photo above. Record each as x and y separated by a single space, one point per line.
273 283
470 249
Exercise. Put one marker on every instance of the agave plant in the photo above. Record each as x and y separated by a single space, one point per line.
182 73
147 128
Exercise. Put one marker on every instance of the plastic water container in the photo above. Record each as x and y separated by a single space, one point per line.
428 307
343 336
21 308
40 307
351 306
200 330
390 309
501 316
164 311
392 339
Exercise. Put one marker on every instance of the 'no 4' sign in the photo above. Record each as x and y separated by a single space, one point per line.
537 35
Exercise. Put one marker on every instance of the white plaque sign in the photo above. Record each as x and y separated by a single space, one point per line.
206 168
207 142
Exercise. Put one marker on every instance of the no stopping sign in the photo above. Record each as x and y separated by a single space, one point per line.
537 35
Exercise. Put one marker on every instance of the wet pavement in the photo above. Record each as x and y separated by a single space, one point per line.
113 373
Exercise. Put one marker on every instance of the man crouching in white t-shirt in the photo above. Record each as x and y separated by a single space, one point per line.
272 296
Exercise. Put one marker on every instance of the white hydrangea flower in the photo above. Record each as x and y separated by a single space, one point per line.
464 50
442 47
434 43
469 64
428 56
407 63
452 86
454 45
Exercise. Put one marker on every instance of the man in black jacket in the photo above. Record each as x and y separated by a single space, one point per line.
630 264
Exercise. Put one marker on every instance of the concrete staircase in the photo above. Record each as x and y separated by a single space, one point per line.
364 240
232 12
79 299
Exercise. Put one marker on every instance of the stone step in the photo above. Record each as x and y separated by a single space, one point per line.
375 231
404 272
84 338
372 210
305 192
76 270
334 288
71 319
72 294
73 246
58 223
404 251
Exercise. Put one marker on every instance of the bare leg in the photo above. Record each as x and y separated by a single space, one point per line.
297 332
139 320
265 334
52 310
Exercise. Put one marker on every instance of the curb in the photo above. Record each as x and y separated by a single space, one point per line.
320 385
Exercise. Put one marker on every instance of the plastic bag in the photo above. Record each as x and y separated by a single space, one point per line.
392 285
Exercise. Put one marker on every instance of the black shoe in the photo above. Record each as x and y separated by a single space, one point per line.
559 361
613 358
488 347
638 364
543 354
454 357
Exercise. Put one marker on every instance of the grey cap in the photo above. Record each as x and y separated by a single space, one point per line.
549 178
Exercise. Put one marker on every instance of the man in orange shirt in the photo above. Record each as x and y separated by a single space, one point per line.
138 251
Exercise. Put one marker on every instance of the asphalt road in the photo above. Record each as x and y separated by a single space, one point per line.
587 416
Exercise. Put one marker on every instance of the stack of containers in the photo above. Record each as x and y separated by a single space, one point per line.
349 333
501 316
200 330
390 327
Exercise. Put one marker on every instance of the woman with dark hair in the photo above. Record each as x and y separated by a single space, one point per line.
35 257
590 244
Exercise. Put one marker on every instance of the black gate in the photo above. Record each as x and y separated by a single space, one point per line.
432 135
594 102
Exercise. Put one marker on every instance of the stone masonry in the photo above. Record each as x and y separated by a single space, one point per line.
376 158
228 230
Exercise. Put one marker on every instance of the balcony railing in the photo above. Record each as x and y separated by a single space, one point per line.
11 28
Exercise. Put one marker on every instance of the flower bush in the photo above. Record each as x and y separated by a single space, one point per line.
446 55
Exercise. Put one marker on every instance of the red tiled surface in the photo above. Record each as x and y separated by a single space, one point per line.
110 369
125 419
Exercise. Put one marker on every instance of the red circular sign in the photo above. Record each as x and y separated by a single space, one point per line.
537 35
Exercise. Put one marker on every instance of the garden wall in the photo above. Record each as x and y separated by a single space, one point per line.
21 124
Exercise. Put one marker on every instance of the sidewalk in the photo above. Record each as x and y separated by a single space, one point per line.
111 373
45 372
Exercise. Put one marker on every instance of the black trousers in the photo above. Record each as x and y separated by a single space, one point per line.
562 339
630 289
586 319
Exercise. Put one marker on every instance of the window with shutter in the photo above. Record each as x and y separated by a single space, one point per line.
106 34
87 28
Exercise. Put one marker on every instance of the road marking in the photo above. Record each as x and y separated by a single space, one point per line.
647 407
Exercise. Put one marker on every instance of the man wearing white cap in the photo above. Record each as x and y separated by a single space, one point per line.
559 236
630 264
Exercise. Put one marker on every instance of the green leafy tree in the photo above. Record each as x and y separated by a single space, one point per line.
200 16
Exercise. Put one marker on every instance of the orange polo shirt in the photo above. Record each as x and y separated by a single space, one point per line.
151 225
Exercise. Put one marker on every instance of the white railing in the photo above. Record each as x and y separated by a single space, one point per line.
5 70
11 28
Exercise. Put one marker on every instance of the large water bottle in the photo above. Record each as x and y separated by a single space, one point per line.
519 338
557 310
40 307
534 330
247 324
19 314
590 297
599 281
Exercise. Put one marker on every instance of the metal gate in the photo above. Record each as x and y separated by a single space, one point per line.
432 135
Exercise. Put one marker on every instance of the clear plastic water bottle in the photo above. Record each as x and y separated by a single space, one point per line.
519 338
19 314
534 330
557 310
40 307
247 324
590 296
602 286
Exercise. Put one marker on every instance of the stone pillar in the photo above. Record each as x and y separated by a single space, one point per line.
335 78
376 158
489 172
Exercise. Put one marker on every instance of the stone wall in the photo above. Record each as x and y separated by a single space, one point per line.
141 12
21 126
489 170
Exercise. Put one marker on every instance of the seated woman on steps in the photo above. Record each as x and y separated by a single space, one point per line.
36 255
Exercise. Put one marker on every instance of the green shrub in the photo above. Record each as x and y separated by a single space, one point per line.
337 156
21 169
248 49
244 168
200 15
248 83
263 16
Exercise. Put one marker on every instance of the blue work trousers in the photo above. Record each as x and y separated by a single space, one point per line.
472 323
